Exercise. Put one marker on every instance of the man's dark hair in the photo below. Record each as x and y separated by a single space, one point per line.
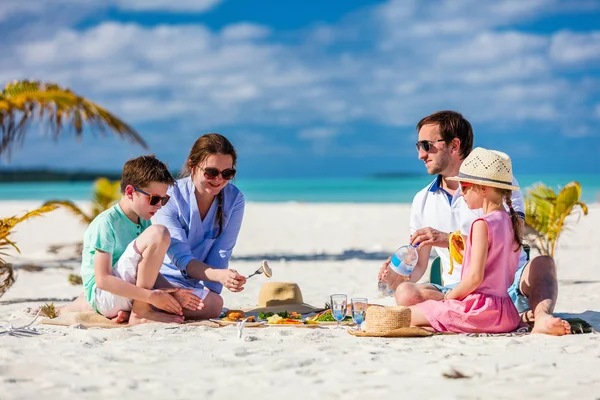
452 125
142 171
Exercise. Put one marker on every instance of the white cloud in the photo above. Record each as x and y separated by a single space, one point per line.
167 5
577 131
571 48
12 8
389 65
494 47
244 31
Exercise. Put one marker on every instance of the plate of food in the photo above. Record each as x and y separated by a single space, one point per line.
326 318
234 317
285 319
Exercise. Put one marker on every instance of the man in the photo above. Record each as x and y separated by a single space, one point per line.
445 140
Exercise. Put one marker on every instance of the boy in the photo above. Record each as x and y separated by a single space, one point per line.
123 252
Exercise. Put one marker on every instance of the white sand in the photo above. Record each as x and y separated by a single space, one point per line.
325 249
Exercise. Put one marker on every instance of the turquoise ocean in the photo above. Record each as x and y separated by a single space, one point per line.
346 190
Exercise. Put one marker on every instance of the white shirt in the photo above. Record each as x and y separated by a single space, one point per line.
434 207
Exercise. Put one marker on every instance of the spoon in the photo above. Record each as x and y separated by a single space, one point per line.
263 269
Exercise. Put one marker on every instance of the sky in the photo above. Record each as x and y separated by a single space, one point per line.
312 88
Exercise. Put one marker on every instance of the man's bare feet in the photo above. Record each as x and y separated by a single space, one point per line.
142 317
551 325
122 316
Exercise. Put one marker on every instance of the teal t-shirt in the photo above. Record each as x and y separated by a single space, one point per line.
111 232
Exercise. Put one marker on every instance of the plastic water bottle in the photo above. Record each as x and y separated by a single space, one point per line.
402 263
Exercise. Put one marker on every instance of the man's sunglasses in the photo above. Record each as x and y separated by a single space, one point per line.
426 145
153 199
212 173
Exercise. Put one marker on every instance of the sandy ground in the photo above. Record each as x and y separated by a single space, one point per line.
325 248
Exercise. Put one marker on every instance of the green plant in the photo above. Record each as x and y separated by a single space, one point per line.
546 214
56 109
49 310
75 279
106 194
7 277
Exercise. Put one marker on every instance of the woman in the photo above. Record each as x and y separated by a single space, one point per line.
204 216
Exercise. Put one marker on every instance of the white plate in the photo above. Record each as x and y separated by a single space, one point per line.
293 325
247 324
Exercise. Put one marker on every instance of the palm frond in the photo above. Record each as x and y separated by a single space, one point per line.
57 109
546 214
7 277
106 194
73 208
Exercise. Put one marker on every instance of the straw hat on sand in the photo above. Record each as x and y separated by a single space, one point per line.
389 322
282 296
488 168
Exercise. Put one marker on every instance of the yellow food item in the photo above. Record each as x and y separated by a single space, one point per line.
456 244
274 319
234 315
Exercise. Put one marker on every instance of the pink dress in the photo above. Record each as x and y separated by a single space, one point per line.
488 308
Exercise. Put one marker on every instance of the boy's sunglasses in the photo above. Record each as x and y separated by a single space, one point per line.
426 145
212 173
153 199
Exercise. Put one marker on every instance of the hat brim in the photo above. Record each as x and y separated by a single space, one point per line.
483 183
302 308
412 331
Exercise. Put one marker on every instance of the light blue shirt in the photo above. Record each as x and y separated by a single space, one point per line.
193 238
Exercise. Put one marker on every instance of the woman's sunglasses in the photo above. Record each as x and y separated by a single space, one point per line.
426 145
212 173
153 199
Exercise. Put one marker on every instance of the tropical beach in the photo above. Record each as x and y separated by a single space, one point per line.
332 200
325 249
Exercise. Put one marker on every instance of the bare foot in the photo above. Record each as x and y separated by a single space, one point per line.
122 316
80 304
551 325
143 317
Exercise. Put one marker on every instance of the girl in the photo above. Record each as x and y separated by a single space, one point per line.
204 217
480 302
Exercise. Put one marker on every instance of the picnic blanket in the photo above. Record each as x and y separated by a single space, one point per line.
95 320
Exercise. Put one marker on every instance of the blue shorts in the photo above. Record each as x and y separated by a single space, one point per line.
444 289
521 302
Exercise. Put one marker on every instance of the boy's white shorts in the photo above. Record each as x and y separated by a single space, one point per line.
109 304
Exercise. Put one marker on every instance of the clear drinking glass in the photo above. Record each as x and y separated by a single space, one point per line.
359 309
339 303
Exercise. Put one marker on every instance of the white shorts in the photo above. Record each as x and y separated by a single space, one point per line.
109 304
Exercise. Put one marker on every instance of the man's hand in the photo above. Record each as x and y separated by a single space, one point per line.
232 280
429 237
162 299
393 280
383 271
187 299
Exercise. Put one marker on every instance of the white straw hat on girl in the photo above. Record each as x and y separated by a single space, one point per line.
488 168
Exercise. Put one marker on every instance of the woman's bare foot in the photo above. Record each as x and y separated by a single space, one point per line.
122 316
551 325
142 317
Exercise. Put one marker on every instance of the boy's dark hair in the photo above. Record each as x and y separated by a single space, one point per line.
143 170
452 125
